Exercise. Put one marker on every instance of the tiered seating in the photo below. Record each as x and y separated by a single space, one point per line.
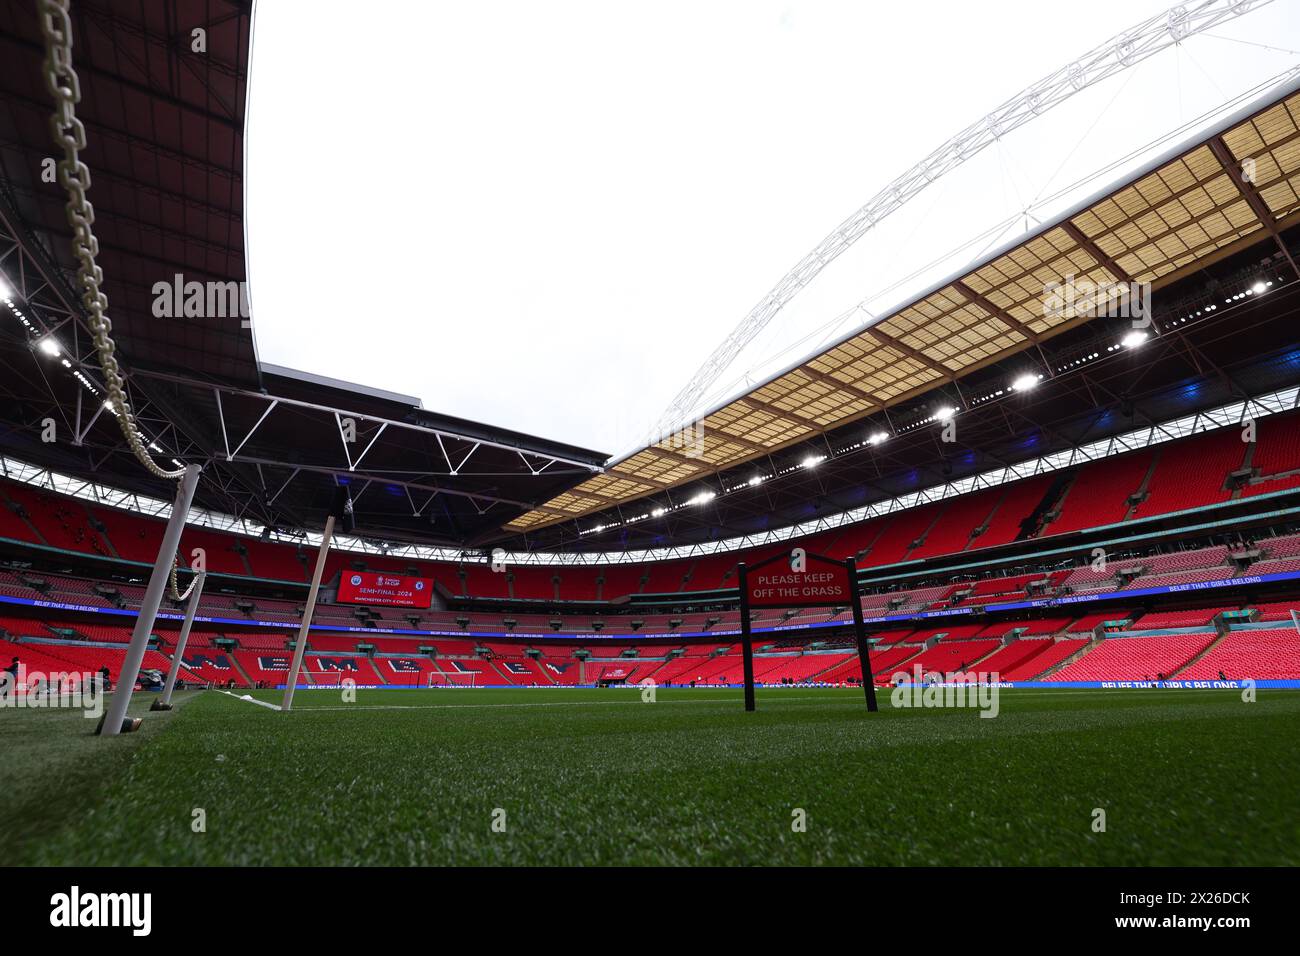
276 561
665 577
1165 619
83 658
1268 654
1134 658
63 522
265 666
14 527
1089 623
1087 578
1047 627
1021 499
952 532
1099 494
1269 484
355 666
410 671
482 581
211 666
900 531
1193 472
621 580
857 538
1194 576
219 550
1276 566
133 537
528 582
1014 658
884 661
1276 610
577 582
1052 654
485 674
1277 448
947 657
804 667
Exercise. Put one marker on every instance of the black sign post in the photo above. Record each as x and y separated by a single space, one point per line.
802 587
864 650
746 638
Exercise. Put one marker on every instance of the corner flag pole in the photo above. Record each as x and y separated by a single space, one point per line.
112 724
301 646
746 638
860 630
165 702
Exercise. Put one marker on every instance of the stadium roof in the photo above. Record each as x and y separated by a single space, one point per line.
166 155
165 150
1182 211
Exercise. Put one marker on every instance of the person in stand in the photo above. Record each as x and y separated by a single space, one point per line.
104 682
12 670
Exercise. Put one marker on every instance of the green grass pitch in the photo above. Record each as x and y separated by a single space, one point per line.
599 777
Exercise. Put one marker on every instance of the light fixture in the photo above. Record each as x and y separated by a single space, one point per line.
108 405
812 461
5 291
877 438
1025 382
945 413
703 498
756 480
1258 288
50 346
1133 340
658 512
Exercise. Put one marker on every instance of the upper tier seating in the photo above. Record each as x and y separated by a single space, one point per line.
1100 491
1193 472
1277 448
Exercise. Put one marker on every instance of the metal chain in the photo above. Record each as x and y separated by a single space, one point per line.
172 585
74 176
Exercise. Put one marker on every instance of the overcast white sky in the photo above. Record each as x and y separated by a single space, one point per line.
545 216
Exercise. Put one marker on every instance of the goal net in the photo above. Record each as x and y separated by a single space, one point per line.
329 678
436 679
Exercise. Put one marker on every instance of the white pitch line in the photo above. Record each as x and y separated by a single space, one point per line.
550 703
252 700
1025 692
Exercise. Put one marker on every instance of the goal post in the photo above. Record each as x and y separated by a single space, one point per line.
457 679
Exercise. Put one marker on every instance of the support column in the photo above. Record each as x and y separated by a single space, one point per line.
300 647
165 702
114 721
